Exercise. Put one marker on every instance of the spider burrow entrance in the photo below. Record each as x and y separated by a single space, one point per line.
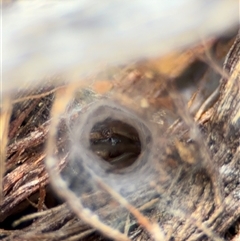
116 142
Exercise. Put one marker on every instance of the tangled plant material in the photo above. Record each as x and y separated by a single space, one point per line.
183 183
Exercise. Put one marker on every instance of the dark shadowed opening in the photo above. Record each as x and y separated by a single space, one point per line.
116 142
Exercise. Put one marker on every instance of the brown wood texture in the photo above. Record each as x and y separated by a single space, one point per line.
195 194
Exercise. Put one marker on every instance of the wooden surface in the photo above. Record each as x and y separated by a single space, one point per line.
188 176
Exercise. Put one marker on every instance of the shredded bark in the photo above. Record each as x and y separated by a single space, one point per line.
197 199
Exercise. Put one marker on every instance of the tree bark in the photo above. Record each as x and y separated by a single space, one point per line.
196 198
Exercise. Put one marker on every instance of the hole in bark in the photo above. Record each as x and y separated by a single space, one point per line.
233 230
115 142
